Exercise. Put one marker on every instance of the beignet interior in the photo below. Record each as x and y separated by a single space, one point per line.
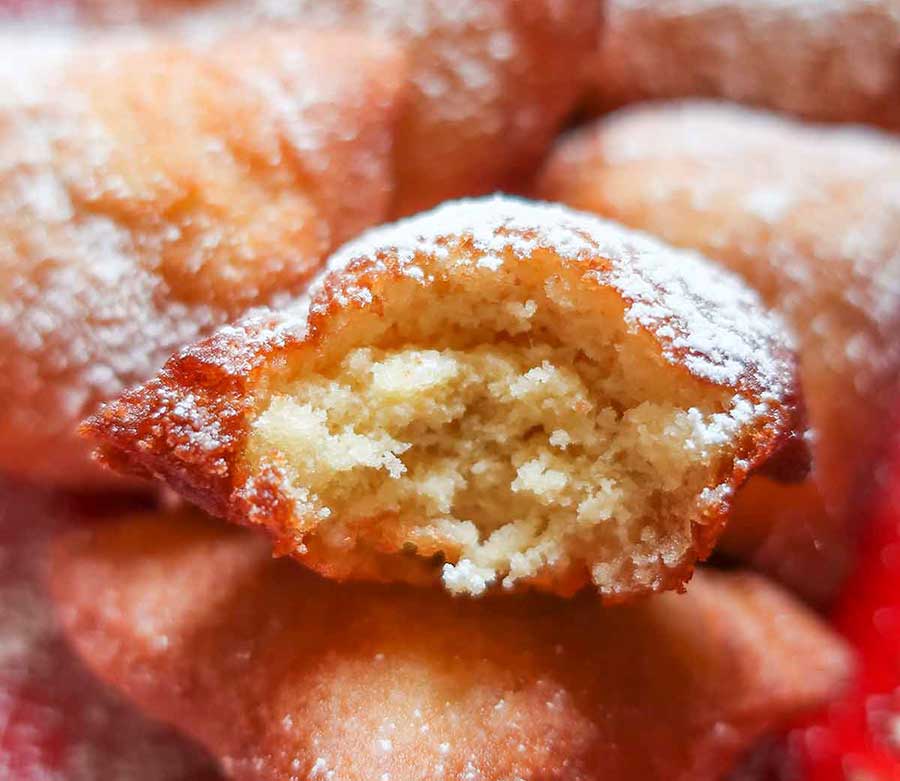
481 437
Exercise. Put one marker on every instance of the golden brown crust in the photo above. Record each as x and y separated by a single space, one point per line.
820 59
189 426
131 228
281 674
811 218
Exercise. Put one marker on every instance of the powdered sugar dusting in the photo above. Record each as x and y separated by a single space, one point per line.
704 316
48 148
459 76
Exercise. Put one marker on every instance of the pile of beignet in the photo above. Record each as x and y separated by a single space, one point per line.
256 272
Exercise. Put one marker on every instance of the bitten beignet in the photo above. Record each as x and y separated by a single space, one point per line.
283 675
810 217
150 191
495 393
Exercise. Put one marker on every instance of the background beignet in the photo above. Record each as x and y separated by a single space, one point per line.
283 675
826 60
59 721
150 191
491 394
489 84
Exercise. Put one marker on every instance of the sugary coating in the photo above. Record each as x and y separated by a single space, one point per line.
832 60
59 723
495 393
811 218
284 675
150 191
491 83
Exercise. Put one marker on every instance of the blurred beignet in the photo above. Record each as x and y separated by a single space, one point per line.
491 83
495 392
60 723
150 191
284 675
834 60
810 217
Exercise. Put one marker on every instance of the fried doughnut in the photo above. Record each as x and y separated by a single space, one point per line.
490 81
150 192
285 675
495 392
811 218
59 723
835 61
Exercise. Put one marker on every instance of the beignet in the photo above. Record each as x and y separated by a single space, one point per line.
495 393
151 191
827 60
59 722
284 675
810 217
489 84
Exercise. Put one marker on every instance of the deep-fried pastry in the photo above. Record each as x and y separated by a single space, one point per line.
150 192
490 81
285 675
811 218
836 60
495 392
